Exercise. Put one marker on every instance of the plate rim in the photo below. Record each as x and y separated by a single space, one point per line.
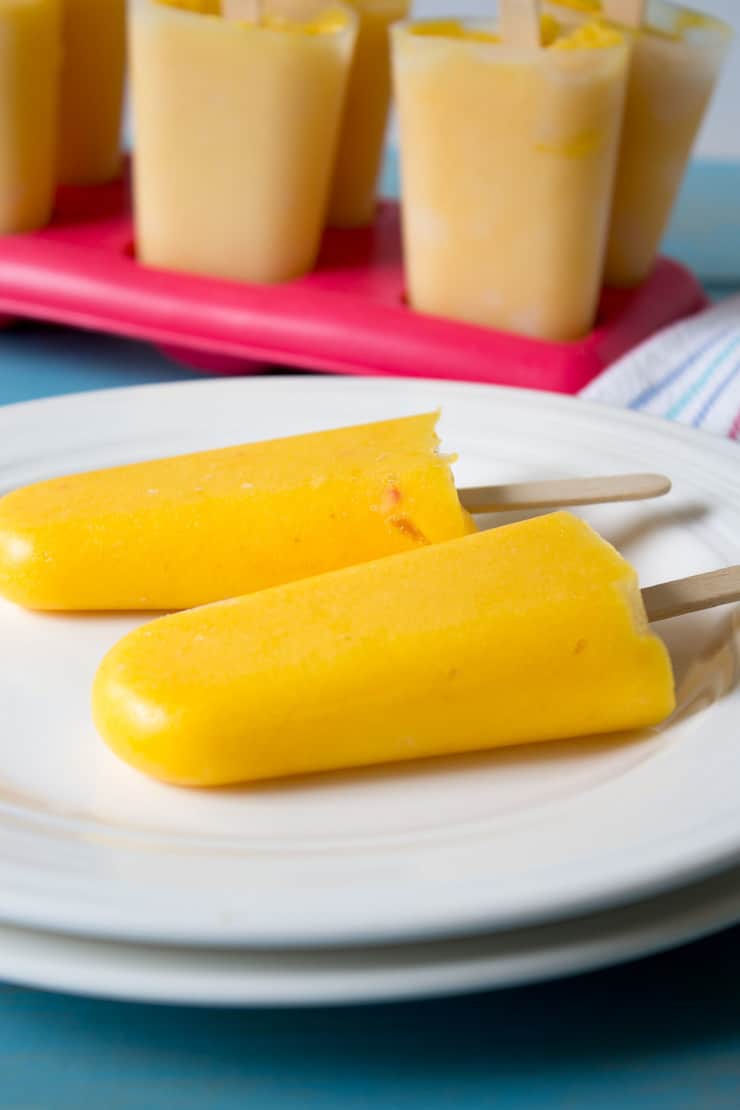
459 966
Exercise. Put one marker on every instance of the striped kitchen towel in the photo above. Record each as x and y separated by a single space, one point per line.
690 372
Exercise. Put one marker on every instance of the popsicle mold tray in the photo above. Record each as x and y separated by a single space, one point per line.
347 317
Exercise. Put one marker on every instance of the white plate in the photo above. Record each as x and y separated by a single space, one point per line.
474 844
266 977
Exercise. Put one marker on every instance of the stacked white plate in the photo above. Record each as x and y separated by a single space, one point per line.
442 876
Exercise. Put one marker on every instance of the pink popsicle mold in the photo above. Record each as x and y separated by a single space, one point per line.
347 317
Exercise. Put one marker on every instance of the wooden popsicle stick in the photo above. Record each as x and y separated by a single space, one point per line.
566 492
519 23
244 11
630 13
691 595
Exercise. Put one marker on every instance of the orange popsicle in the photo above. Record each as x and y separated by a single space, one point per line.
184 531
529 632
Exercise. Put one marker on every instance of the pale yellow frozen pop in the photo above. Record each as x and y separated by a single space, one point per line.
365 118
236 126
508 156
94 38
30 59
677 55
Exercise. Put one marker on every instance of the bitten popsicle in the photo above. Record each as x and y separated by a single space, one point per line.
184 531
236 131
365 117
30 60
529 632
93 70
677 55
508 155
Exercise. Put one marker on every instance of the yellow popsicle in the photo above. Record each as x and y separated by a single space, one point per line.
94 36
184 531
529 632
676 60
236 130
507 164
360 152
30 59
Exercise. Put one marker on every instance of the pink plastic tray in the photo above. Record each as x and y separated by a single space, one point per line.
347 317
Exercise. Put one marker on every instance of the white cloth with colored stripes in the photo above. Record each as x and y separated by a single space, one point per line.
690 372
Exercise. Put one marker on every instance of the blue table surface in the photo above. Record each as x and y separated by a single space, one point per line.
662 1032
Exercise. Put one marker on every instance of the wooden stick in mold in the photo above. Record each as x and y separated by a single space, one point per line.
242 11
630 13
519 23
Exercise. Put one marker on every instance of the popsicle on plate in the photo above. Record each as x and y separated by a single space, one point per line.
360 152
30 60
676 59
236 131
94 36
529 632
507 159
183 531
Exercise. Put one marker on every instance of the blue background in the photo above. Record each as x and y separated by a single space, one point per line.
663 1032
